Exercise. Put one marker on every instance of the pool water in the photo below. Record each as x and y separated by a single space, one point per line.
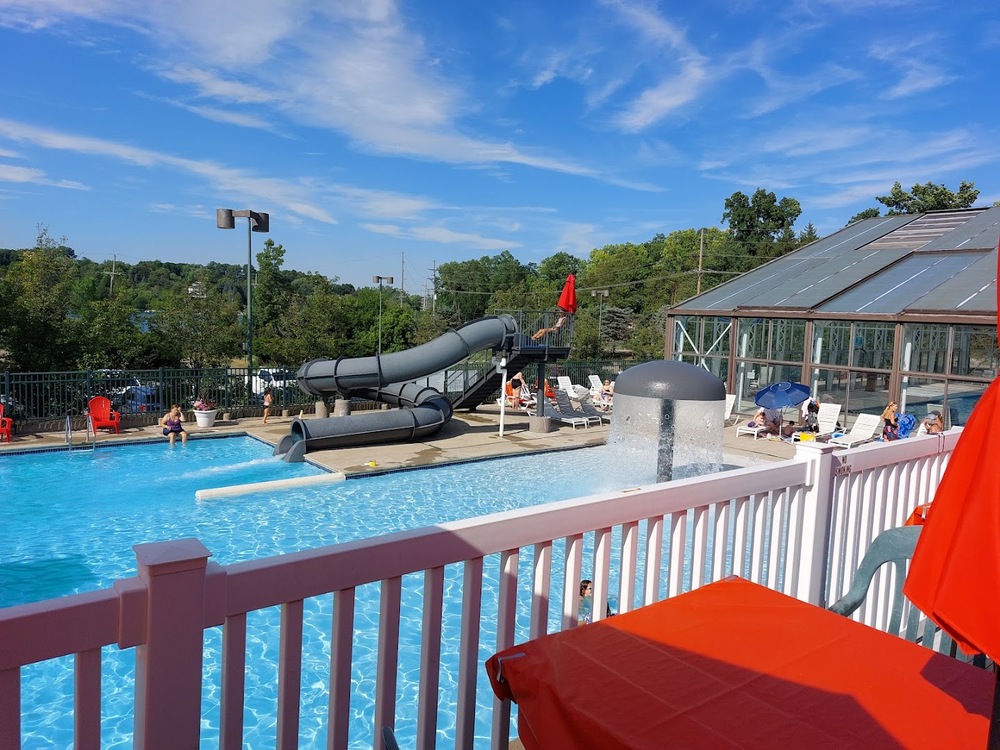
70 524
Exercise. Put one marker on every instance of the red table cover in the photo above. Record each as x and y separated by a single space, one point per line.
734 664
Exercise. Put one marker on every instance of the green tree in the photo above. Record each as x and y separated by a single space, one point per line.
807 235
202 332
761 225
927 197
868 213
110 338
464 289
38 330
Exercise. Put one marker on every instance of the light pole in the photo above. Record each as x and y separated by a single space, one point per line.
378 280
600 313
225 218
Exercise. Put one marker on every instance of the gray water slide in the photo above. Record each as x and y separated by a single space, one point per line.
388 379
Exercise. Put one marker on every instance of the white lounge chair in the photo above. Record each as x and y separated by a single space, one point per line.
863 430
596 384
728 412
746 429
827 418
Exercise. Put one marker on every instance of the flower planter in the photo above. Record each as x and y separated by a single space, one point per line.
205 417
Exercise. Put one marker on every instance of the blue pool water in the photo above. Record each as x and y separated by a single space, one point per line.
71 520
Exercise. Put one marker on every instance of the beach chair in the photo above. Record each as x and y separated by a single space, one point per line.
827 418
567 409
863 430
555 413
102 416
746 429
596 386
728 411
6 427
588 409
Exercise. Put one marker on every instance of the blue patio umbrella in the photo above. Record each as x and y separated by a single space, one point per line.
780 395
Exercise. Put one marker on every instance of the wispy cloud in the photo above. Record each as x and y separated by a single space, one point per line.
443 236
9 173
297 196
914 59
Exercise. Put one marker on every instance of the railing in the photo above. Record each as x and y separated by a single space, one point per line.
797 526
54 395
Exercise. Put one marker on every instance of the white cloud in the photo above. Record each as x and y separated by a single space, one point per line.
444 236
9 173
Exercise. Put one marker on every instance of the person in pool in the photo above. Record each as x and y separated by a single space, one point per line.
172 424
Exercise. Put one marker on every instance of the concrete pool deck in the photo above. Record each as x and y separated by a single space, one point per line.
468 436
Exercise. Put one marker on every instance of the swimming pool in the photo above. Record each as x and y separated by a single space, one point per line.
75 517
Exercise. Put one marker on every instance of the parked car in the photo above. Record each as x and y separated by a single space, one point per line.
114 382
276 380
138 399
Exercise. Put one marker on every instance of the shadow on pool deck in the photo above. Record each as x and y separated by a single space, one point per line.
468 436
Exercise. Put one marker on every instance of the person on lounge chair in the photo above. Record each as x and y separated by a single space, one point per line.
542 331
769 419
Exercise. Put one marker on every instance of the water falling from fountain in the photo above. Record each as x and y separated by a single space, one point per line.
669 415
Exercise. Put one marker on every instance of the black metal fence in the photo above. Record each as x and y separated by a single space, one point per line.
56 395
53 395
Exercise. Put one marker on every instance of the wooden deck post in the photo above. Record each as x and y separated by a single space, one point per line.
168 665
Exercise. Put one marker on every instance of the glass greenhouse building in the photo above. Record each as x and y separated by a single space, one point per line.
896 308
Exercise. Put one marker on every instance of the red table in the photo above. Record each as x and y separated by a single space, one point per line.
734 664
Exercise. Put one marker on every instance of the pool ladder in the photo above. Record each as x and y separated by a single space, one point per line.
90 434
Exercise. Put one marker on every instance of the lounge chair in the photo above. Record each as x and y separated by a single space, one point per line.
863 430
6 427
554 413
596 386
827 418
102 416
577 392
566 407
730 403
589 410
746 429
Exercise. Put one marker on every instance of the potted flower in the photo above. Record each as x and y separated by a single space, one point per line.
204 412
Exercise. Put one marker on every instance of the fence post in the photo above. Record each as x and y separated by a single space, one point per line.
815 523
168 665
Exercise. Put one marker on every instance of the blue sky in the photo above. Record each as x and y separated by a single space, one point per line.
385 136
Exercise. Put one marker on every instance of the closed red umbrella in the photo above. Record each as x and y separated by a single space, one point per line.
567 300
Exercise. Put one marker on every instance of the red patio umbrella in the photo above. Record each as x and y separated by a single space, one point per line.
567 300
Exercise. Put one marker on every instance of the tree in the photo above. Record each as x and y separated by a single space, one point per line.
868 213
807 235
921 199
927 197
37 328
761 225
204 332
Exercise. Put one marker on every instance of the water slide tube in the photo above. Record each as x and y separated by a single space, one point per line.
387 379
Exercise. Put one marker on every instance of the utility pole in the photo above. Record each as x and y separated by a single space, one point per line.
112 273
434 287
701 253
